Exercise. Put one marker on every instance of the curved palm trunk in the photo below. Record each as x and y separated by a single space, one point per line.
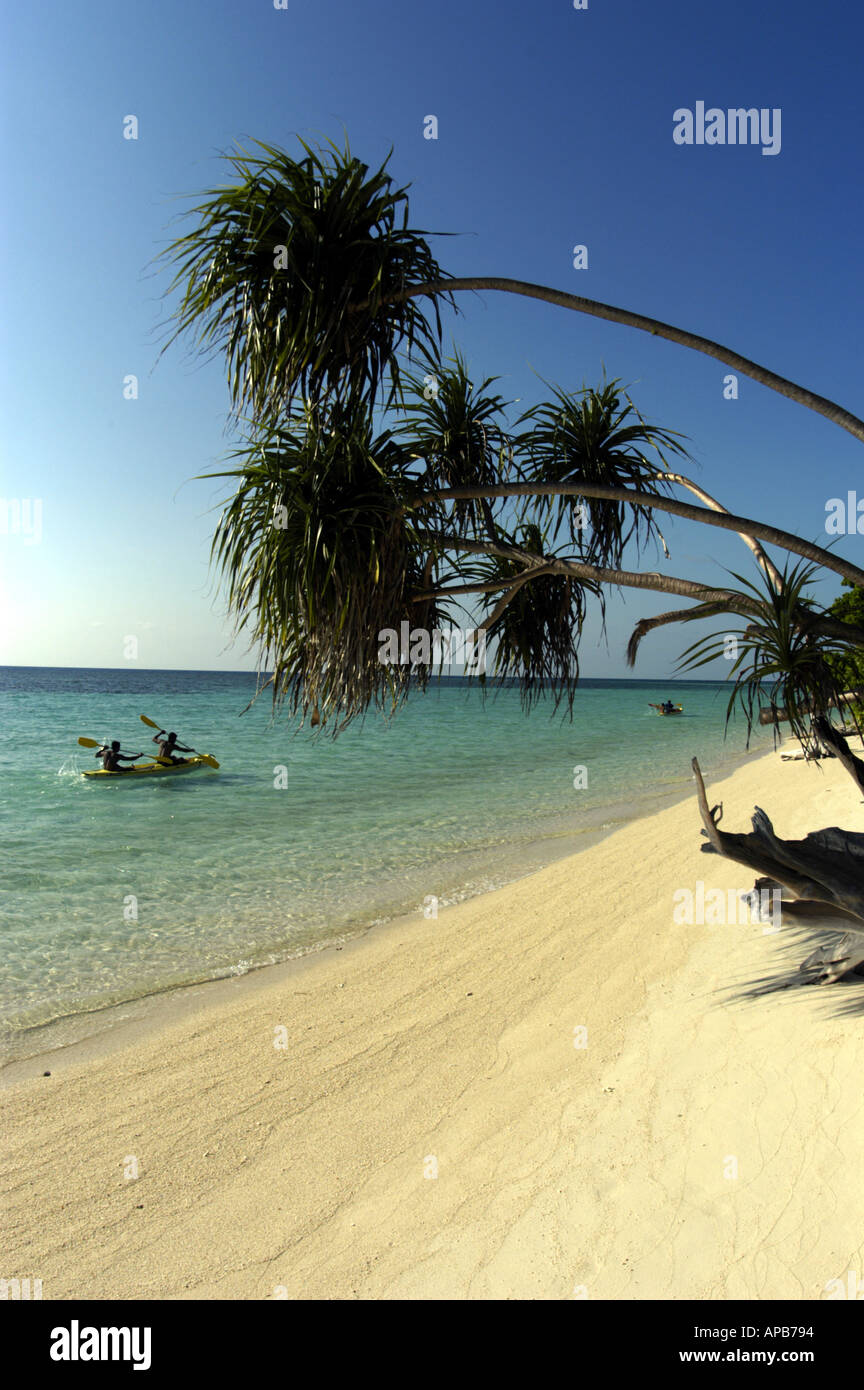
679 615
578 569
838 745
727 521
790 389
762 559
721 600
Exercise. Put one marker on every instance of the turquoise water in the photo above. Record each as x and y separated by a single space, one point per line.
116 890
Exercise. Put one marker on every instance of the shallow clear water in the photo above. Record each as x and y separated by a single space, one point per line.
115 890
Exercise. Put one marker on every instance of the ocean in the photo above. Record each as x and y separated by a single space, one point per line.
118 890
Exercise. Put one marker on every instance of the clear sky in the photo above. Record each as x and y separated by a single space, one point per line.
555 129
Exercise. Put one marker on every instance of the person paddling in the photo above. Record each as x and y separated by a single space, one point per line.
112 757
168 746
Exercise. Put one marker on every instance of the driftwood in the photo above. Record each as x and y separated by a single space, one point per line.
802 909
834 740
820 877
842 955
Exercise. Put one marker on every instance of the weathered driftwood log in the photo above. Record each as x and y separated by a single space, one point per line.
842 955
823 876
838 745
801 909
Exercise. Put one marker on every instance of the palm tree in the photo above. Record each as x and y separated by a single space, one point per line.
369 495
301 275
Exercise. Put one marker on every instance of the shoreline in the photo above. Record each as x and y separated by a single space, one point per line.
91 1032
413 1117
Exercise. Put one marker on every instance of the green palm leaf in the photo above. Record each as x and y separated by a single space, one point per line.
455 430
597 435
777 657
319 556
273 272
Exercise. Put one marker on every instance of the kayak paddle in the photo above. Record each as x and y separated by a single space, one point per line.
92 743
160 727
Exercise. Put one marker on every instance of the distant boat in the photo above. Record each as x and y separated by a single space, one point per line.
676 709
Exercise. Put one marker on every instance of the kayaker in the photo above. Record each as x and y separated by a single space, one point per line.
668 707
169 746
112 757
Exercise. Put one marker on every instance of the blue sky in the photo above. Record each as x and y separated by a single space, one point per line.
555 129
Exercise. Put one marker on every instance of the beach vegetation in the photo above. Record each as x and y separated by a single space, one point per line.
377 486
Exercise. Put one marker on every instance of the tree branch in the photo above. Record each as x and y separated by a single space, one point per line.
628 579
679 615
727 521
763 559
656 327
728 600
514 581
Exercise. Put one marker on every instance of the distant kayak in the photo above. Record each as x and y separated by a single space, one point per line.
676 709
158 769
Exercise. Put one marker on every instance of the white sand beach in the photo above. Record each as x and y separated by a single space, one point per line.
430 1129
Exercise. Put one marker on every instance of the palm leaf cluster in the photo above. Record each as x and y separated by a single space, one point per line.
320 556
599 437
336 533
289 273
780 658
460 440
457 432
537 633
360 442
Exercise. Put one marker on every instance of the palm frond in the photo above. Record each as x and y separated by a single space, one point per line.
319 557
537 634
273 272
455 430
777 658
597 435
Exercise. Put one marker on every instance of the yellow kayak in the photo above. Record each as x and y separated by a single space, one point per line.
157 769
